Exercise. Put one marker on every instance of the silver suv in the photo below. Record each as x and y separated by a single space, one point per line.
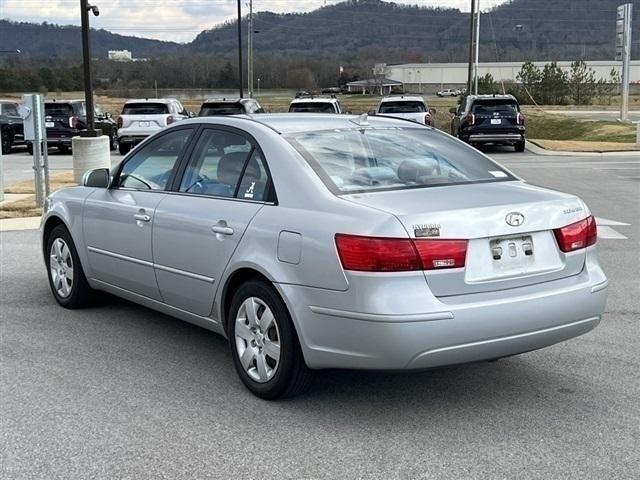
316 105
229 106
142 118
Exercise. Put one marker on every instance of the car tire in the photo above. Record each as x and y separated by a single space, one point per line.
66 276
253 342
63 149
113 143
519 146
7 142
124 148
30 148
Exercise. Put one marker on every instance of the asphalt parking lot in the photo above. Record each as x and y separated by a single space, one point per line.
120 391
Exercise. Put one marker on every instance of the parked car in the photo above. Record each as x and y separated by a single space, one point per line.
407 107
329 241
11 128
302 93
143 117
316 105
496 119
448 93
230 106
65 119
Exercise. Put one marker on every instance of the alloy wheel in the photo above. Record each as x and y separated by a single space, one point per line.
61 266
257 340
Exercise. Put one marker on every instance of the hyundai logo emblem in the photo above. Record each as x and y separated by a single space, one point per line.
515 219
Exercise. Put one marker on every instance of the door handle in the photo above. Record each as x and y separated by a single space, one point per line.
143 217
222 228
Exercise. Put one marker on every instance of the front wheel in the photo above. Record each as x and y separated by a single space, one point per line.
113 142
66 277
7 142
519 146
264 345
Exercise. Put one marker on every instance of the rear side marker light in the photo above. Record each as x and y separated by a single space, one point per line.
120 122
577 235
375 254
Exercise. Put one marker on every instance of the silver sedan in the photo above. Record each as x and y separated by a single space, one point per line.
329 241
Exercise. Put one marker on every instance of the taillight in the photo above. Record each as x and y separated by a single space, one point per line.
375 254
470 118
120 122
171 119
427 119
73 122
577 235
436 254
520 119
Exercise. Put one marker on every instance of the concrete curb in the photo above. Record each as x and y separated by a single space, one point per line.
533 148
17 224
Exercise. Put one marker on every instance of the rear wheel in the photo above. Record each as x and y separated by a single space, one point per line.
66 277
264 345
124 148
7 142
63 149
519 146
113 142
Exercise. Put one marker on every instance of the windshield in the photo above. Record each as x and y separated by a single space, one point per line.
145 109
402 107
58 110
370 159
312 107
489 107
222 108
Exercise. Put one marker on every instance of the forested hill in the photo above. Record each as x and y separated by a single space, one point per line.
375 30
516 30
48 40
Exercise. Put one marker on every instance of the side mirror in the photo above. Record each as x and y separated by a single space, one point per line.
453 110
98 178
433 111
192 114
371 113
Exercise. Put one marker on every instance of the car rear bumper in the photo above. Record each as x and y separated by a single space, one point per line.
461 329
131 139
495 137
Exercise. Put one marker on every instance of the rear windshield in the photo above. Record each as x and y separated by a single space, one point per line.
312 107
402 107
145 109
489 107
209 109
371 159
59 110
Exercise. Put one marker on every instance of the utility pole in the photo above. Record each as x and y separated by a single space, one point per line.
250 51
623 52
477 60
240 80
471 42
86 60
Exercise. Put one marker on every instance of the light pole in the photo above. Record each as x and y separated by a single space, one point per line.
86 60
477 62
250 51
471 42
240 80
9 52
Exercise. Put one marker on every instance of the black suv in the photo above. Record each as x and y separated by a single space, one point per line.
65 119
229 106
11 129
481 119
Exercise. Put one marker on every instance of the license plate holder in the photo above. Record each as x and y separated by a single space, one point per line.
512 253
496 121
143 124
49 124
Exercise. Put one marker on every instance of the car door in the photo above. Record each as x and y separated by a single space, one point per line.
199 225
118 221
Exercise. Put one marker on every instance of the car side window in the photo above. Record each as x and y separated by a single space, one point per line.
216 164
151 166
10 110
255 179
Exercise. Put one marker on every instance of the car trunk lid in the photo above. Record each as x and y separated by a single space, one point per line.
479 214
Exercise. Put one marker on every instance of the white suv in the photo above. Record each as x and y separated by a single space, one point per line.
412 108
142 118
316 105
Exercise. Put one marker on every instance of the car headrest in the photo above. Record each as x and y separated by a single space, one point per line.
415 170
230 168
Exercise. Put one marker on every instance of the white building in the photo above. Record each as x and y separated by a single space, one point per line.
120 56
430 77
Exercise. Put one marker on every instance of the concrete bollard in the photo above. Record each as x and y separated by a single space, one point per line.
90 153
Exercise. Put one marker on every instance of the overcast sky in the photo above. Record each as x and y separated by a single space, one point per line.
176 20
